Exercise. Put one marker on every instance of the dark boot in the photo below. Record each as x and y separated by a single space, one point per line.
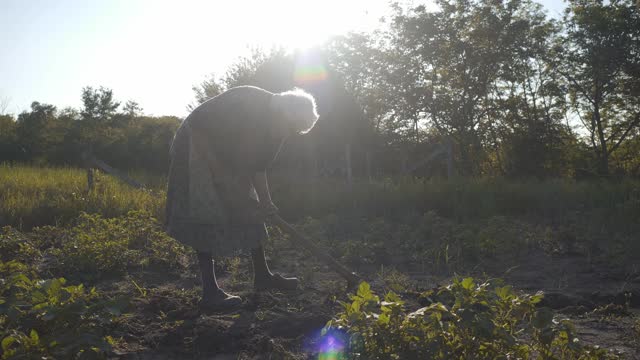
264 279
213 297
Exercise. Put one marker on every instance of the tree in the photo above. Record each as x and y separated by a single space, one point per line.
4 105
599 58
33 130
132 109
463 69
207 89
98 104
8 139
528 134
241 72
363 61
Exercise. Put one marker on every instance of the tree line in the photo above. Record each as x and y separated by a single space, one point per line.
117 133
517 92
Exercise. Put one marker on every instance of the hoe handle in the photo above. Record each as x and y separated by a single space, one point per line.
352 279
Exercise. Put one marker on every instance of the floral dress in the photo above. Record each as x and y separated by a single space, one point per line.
238 124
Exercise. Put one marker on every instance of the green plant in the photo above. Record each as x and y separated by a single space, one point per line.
16 246
460 321
394 280
49 318
238 271
99 247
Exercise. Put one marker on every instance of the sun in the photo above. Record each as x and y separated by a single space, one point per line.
303 24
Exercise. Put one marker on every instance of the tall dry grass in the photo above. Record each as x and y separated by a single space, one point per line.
33 196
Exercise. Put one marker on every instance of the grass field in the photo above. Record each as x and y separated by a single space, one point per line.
32 196
93 273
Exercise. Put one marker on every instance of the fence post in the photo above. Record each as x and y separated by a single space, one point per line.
90 178
89 169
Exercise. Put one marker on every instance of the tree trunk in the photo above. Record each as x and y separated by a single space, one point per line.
603 153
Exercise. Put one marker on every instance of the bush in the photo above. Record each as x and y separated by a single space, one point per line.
48 318
16 246
98 247
463 320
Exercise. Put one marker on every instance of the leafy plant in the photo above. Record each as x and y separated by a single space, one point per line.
44 318
16 246
460 321
99 247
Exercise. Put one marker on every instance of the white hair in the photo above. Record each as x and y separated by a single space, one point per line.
298 107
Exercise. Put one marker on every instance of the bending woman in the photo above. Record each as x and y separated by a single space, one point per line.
218 195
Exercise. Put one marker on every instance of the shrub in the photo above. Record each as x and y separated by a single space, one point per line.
98 247
460 321
48 318
16 246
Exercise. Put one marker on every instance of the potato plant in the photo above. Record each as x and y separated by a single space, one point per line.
463 320
48 318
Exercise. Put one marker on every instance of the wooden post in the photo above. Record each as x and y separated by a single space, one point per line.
112 171
89 168
89 178
92 162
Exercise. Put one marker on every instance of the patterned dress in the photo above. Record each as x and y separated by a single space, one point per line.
240 128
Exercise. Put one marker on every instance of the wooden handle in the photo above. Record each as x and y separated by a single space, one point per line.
351 277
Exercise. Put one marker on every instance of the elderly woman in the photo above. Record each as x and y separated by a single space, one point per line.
218 195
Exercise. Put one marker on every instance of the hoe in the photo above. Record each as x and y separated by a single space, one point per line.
353 280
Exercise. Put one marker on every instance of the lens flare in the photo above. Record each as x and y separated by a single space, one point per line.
331 346
309 74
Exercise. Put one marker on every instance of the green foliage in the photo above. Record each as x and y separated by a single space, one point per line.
99 247
124 139
450 225
394 280
598 57
16 246
49 318
8 137
241 72
99 104
463 320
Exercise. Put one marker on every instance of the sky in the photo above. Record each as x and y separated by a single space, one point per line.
154 52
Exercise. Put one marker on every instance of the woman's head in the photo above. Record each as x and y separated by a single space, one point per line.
298 108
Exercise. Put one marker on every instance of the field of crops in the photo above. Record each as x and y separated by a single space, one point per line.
455 269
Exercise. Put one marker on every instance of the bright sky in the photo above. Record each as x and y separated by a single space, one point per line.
153 52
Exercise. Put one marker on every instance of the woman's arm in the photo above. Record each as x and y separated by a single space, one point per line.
261 185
